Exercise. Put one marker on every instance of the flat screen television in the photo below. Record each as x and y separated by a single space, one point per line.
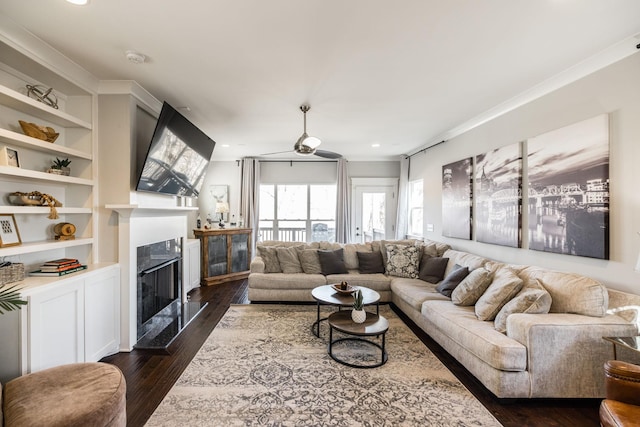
178 156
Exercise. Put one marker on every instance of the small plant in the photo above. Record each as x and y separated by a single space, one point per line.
10 299
60 163
357 300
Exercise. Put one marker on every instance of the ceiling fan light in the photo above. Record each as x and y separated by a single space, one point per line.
311 142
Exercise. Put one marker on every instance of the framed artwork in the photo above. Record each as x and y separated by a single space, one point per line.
456 199
498 196
9 157
9 235
568 173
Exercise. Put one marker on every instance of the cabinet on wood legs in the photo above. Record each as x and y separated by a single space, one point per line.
225 254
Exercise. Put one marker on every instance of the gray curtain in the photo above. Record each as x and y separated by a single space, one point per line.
402 217
343 212
250 197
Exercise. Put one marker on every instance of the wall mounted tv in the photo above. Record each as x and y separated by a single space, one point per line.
178 156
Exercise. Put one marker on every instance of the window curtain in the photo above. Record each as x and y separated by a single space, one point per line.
402 217
343 217
250 197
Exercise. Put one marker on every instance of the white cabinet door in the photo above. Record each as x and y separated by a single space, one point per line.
102 314
192 266
56 325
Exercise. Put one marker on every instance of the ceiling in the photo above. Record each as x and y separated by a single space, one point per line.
398 74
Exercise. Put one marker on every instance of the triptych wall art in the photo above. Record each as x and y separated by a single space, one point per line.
567 201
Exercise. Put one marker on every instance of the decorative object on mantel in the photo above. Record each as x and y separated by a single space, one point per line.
60 167
43 94
45 133
36 198
64 231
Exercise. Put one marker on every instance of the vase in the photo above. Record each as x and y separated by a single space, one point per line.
358 316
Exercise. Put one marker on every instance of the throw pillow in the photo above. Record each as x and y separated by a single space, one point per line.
270 258
529 300
407 242
370 262
432 268
309 261
452 280
403 260
332 262
288 259
506 284
472 287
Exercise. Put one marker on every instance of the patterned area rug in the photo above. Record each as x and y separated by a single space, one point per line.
263 366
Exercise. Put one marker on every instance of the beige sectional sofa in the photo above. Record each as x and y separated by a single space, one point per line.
559 353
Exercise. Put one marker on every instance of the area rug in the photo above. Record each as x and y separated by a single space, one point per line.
262 366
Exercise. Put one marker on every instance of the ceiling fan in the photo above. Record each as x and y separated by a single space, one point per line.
308 145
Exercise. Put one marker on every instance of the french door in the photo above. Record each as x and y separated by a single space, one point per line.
374 208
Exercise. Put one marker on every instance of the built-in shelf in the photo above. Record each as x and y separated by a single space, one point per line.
44 245
19 140
20 102
32 283
42 176
25 210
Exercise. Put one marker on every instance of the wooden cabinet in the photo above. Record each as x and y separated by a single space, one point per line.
225 254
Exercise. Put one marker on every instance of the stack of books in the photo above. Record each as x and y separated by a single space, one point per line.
59 267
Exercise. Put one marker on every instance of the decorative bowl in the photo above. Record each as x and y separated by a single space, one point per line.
350 289
23 200
44 133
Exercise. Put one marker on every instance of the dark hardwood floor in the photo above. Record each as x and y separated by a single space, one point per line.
150 376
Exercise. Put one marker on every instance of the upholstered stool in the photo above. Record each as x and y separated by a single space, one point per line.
80 394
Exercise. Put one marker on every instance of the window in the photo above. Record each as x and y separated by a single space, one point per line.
415 207
298 212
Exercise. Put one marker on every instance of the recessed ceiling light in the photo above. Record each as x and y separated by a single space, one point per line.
79 2
225 145
375 145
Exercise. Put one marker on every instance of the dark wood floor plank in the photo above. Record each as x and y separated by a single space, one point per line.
151 376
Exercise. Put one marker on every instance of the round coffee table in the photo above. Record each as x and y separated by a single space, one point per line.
375 325
328 296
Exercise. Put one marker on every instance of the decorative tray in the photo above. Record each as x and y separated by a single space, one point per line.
350 289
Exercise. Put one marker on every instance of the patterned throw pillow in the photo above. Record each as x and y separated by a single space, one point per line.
403 260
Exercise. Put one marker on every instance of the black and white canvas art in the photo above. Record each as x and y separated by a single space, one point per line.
498 196
568 173
456 199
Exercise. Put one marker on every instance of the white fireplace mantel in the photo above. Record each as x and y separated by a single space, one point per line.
131 211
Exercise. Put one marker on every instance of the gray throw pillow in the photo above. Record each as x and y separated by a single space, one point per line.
454 278
370 262
432 268
270 258
332 262
309 261
288 259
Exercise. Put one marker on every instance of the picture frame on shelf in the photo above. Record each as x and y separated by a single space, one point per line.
9 234
9 157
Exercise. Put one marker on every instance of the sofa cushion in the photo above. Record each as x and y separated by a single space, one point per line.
432 268
351 253
332 261
310 261
403 260
452 280
370 262
415 291
570 292
286 281
480 338
529 300
288 259
269 256
506 284
472 287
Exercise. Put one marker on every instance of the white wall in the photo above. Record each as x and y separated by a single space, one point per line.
613 90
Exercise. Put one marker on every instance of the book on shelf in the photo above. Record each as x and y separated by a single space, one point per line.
57 273
51 268
61 262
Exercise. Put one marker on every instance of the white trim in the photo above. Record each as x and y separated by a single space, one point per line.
130 87
615 53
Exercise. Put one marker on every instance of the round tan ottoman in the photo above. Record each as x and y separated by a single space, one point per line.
80 394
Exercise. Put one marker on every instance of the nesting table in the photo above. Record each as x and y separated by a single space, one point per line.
375 325
326 295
